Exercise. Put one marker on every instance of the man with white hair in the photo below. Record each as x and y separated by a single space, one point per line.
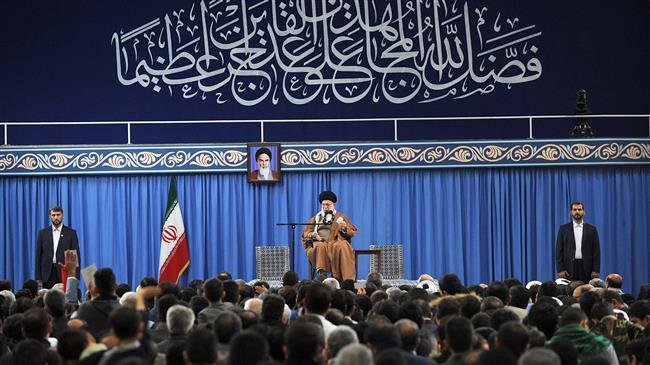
254 305
180 320
339 338
332 283
539 356
354 354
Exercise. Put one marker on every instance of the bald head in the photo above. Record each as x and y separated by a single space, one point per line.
614 281
408 333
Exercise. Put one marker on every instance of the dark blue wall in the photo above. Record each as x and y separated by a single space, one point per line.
59 64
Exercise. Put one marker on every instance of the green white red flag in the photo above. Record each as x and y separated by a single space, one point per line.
174 252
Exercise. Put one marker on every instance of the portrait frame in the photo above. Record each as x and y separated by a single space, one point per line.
252 171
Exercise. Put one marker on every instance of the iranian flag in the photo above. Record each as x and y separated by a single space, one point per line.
174 254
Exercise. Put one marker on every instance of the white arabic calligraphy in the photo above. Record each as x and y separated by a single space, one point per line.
252 52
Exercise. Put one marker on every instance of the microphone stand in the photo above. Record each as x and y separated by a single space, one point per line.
293 237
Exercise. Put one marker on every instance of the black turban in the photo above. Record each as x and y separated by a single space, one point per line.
327 195
265 151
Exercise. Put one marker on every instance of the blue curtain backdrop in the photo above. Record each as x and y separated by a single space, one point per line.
483 224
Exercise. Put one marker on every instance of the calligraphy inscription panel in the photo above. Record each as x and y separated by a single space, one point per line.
325 51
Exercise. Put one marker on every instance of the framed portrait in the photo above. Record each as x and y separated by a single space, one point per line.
264 163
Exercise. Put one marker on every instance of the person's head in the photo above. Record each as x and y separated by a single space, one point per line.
614 281
263 157
600 310
71 344
481 319
226 325
230 291
498 289
187 294
519 296
254 305
549 289
272 307
389 357
170 288
148 281
355 354
122 288
164 303
571 316
458 334
469 306
213 290
304 341
105 281
513 336
540 356
318 298
450 284
639 350
248 318
224 275
490 304
32 352
125 323
332 283
411 310
289 293
32 288
201 347
341 336
56 215
544 316
501 316
613 298
54 303
497 355
327 200
12 327
587 300
246 292
382 336
577 211
290 278
447 307
640 313
36 324
198 303
180 319
565 349
248 347
408 333
387 308
378 296
375 278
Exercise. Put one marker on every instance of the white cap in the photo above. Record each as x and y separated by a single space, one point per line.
332 283
562 281
431 286
533 282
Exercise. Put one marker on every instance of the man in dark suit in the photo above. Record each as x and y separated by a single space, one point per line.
51 245
577 249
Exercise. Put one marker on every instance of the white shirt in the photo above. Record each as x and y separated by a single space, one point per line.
56 236
577 234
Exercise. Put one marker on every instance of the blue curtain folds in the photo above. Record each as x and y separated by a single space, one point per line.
483 224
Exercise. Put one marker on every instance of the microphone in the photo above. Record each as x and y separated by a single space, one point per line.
329 217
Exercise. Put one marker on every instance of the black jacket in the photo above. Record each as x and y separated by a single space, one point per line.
45 246
565 248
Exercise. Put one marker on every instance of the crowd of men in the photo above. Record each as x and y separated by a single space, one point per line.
324 321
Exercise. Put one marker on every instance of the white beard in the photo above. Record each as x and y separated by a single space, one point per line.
265 174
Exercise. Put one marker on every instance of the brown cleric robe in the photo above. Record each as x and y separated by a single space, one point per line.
335 254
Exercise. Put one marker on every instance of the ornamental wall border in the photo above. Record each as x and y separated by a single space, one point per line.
226 158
